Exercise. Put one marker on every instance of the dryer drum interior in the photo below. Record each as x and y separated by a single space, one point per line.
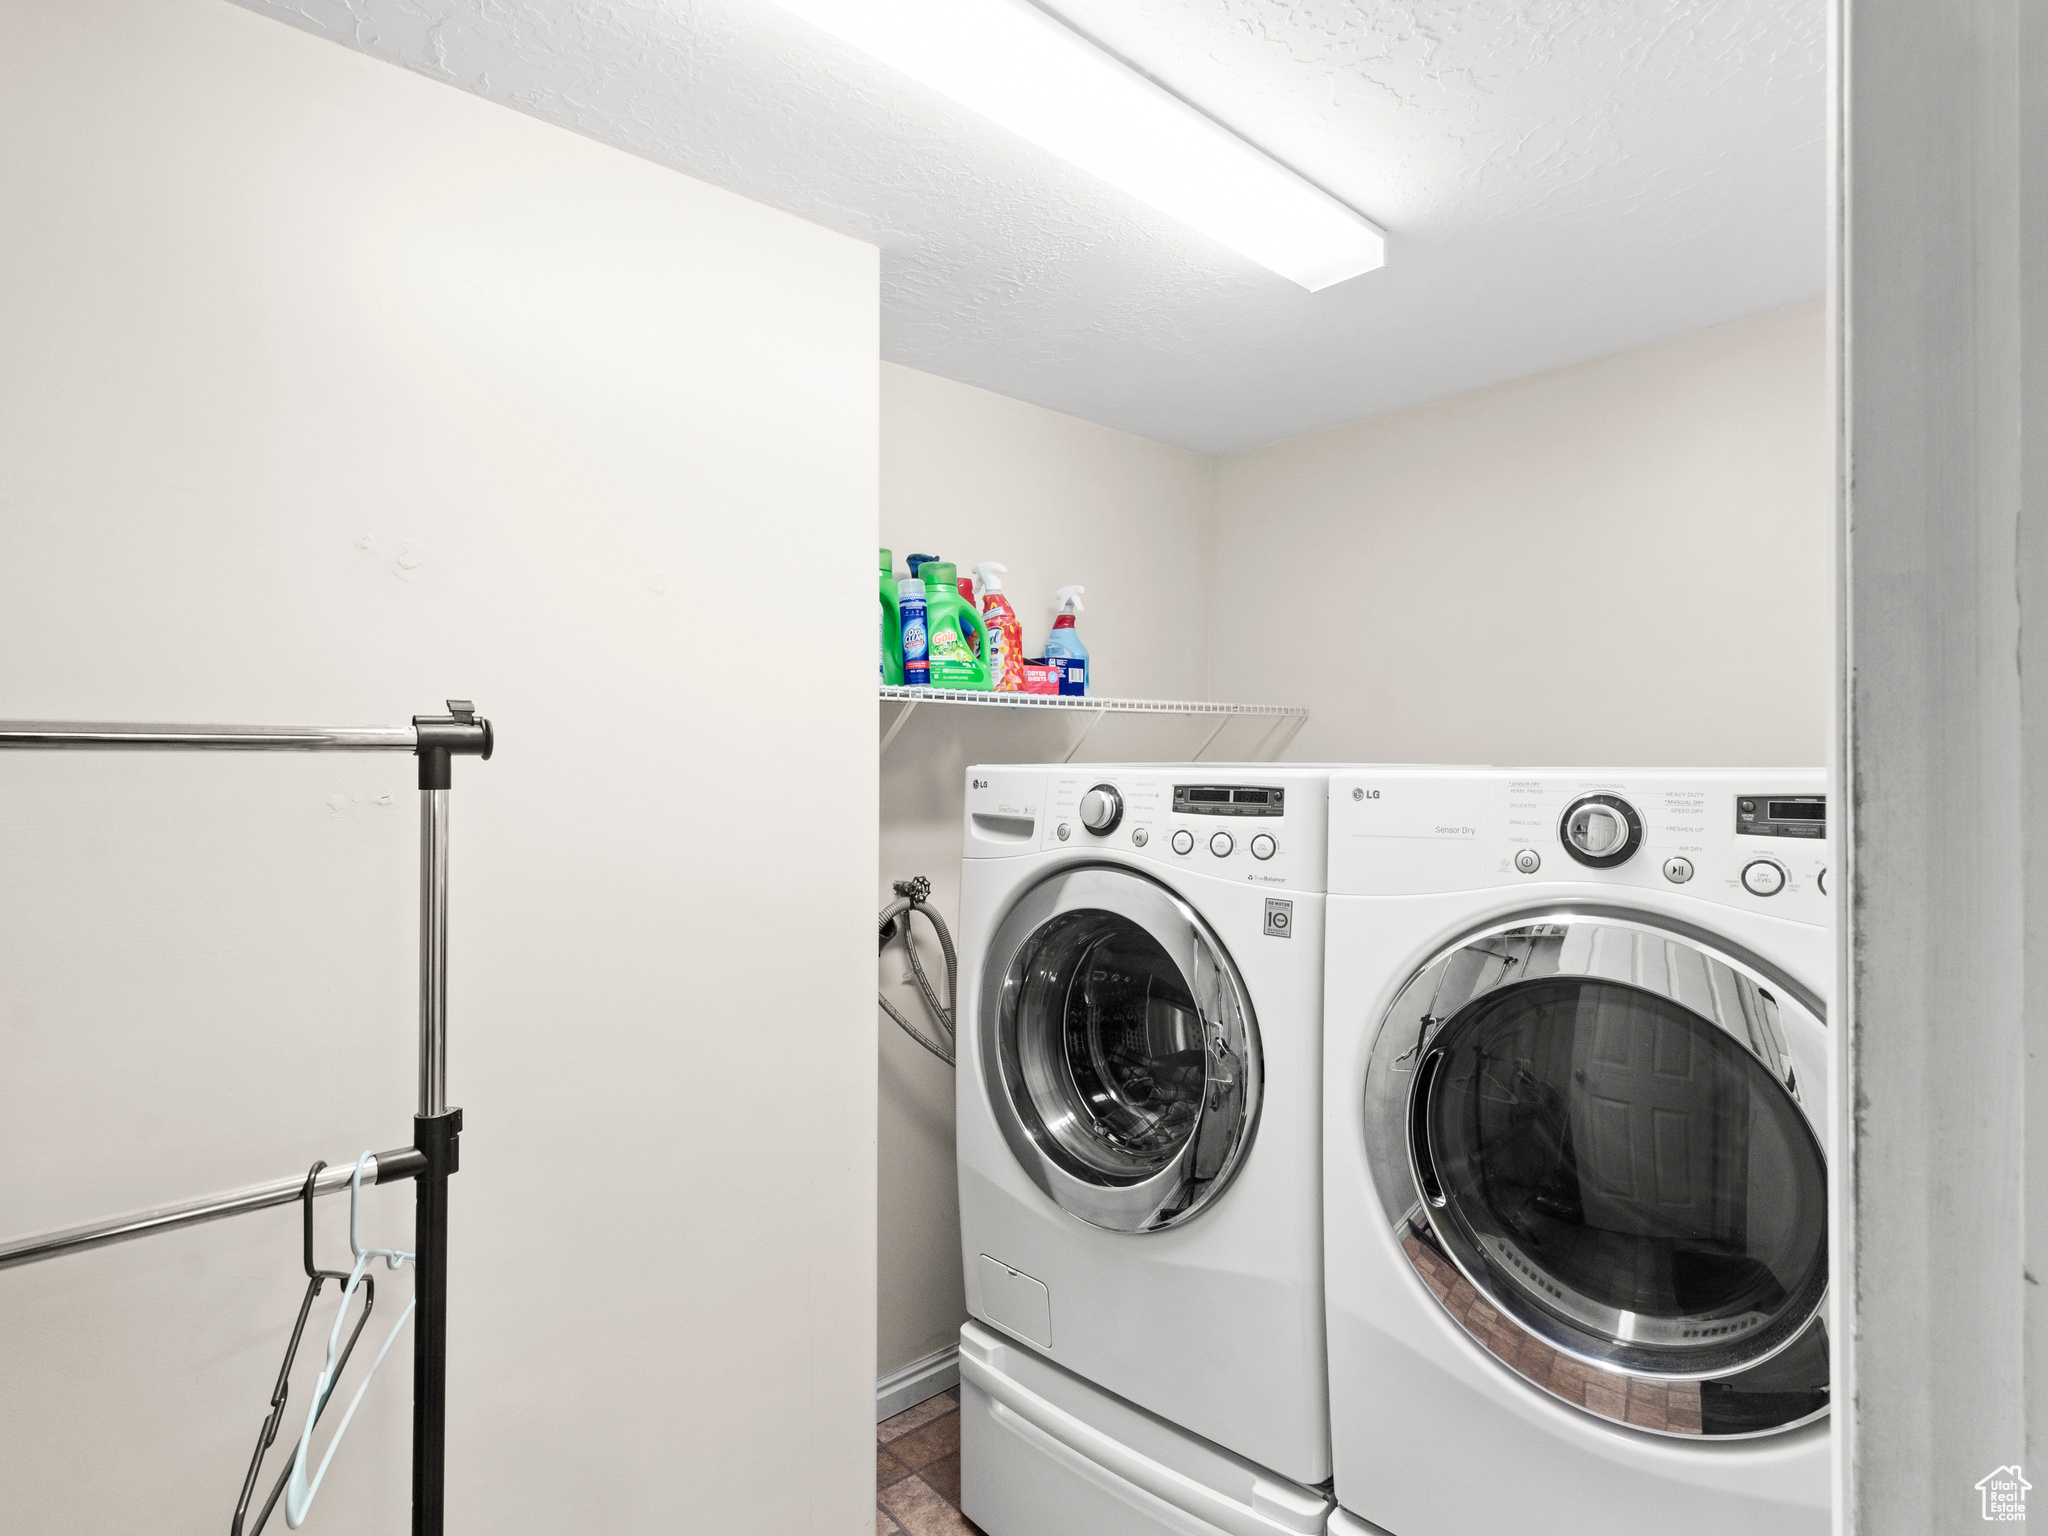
1612 1179
1119 1050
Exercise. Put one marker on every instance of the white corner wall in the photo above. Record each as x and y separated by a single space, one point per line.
1623 562
969 475
328 392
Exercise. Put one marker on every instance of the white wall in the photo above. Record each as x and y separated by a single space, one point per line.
328 392
970 475
1621 562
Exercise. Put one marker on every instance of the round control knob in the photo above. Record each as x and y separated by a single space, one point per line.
1528 861
1763 877
1063 831
1600 831
1677 870
1140 837
1821 880
1221 844
1101 809
1263 847
1183 841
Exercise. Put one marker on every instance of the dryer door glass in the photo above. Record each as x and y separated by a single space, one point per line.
1595 1139
1118 1050
1620 1162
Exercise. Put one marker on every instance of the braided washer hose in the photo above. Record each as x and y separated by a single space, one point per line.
914 896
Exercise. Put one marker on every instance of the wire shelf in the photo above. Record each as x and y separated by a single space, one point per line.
1286 719
1083 701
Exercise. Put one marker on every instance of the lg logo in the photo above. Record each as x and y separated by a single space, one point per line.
980 783
1365 794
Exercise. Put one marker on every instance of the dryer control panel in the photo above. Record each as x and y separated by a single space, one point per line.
1262 824
1756 840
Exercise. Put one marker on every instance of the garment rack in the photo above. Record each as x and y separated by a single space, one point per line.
435 1153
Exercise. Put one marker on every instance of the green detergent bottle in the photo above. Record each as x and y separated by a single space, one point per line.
892 626
949 621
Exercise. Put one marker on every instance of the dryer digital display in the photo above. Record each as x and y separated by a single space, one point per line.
1781 815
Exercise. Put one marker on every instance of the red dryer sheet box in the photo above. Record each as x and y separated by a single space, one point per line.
1041 677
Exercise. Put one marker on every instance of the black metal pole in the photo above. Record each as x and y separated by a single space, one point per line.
437 1136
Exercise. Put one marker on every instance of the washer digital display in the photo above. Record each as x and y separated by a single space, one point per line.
1229 800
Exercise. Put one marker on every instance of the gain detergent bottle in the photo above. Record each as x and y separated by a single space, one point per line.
955 663
892 625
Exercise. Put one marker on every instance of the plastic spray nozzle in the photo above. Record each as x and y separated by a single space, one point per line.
987 576
1069 599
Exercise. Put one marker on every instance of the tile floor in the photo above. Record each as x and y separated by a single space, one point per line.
917 1471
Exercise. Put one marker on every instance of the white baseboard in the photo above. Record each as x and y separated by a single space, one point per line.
915 1382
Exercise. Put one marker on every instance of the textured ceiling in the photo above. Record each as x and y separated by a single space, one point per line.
1559 179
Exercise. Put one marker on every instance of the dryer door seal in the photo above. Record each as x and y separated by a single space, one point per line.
1119 1049
1593 1138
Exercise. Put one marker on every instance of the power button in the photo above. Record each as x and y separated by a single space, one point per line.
1528 861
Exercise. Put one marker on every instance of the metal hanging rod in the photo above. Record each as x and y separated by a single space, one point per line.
97 736
384 1168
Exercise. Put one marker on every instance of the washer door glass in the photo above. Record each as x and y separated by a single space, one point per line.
1612 1178
1110 1047
1122 1063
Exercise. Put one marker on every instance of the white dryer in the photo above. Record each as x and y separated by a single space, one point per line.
1575 1118
1139 1144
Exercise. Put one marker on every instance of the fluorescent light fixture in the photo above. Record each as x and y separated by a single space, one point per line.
1015 65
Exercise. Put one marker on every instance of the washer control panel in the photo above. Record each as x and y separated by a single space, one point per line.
1261 824
1746 839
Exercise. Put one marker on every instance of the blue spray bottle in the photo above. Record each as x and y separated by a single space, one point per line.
1063 647
910 606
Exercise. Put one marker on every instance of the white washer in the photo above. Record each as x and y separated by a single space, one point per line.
1575 1118
1139 1140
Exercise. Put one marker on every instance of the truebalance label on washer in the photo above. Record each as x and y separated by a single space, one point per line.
1408 835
